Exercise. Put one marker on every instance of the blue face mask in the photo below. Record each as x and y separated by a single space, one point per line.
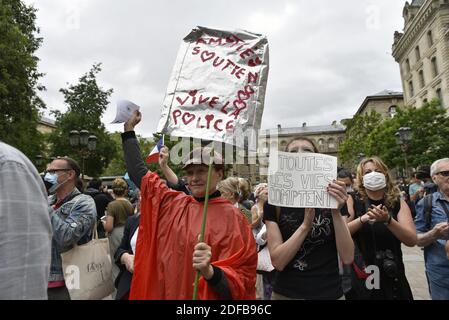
52 178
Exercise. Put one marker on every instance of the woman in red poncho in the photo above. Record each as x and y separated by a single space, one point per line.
168 253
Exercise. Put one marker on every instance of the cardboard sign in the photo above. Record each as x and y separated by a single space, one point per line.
299 180
217 85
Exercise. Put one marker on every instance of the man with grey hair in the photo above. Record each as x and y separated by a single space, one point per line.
433 231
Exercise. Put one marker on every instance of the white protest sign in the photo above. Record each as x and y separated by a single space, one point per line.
299 180
125 110
217 85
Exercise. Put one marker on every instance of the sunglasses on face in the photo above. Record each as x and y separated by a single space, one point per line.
443 173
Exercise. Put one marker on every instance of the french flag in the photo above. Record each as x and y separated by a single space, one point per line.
154 154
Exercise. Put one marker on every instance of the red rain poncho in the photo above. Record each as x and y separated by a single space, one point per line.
169 229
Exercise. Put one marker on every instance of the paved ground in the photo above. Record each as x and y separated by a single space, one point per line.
414 269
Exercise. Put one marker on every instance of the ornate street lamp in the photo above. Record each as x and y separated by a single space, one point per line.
85 143
403 137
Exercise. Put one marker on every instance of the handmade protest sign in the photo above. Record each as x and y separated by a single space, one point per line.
299 180
217 85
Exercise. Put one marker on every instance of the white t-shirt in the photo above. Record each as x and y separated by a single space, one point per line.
134 241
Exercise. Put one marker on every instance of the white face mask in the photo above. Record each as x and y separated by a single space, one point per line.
374 181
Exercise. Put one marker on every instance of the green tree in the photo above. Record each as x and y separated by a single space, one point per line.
86 103
429 125
19 77
117 165
357 129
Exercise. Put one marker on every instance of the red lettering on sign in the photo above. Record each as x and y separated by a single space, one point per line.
181 102
254 63
216 63
228 64
252 77
235 69
203 100
246 53
239 105
198 124
200 40
213 102
223 109
230 125
216 125
176 115
196 50
209 118
240 73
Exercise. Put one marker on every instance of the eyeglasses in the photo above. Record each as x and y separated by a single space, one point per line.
443 173
52 171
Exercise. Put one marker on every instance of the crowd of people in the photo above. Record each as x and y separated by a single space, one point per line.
250 250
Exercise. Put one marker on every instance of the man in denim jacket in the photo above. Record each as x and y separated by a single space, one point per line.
73 217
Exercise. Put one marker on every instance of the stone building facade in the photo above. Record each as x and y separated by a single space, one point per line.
385 103
422 51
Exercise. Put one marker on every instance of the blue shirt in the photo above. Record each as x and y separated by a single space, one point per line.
437 263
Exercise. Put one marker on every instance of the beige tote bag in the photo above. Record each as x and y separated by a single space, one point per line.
88 269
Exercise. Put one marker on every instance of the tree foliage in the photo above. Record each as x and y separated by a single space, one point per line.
20 105
429 125
357 129
86 103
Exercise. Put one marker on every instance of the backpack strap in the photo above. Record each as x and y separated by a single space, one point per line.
428 210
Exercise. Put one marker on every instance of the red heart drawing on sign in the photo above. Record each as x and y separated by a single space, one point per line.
187 118
253 63
209 118
206 55
239 104
193 92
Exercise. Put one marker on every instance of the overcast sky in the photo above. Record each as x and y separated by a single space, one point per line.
325 56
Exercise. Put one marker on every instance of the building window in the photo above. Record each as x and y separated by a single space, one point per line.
410 87
422 83
440 96
331 143
429 38
434 66
392 111
417 54
321 143
407 66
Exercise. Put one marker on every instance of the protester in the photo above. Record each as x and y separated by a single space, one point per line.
230 190
264 278
73 217
124 257
304 243
168 252
101 199
245 188
345 176
433 231
380 221
25 229
117 213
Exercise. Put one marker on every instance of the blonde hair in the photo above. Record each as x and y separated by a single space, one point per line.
231 185
245 188
392 191
119 187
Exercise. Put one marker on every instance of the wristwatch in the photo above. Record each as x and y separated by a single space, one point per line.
388 220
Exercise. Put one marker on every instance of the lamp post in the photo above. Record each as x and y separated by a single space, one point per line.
403 137
85 143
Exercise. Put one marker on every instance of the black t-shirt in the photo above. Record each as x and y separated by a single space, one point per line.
313 273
